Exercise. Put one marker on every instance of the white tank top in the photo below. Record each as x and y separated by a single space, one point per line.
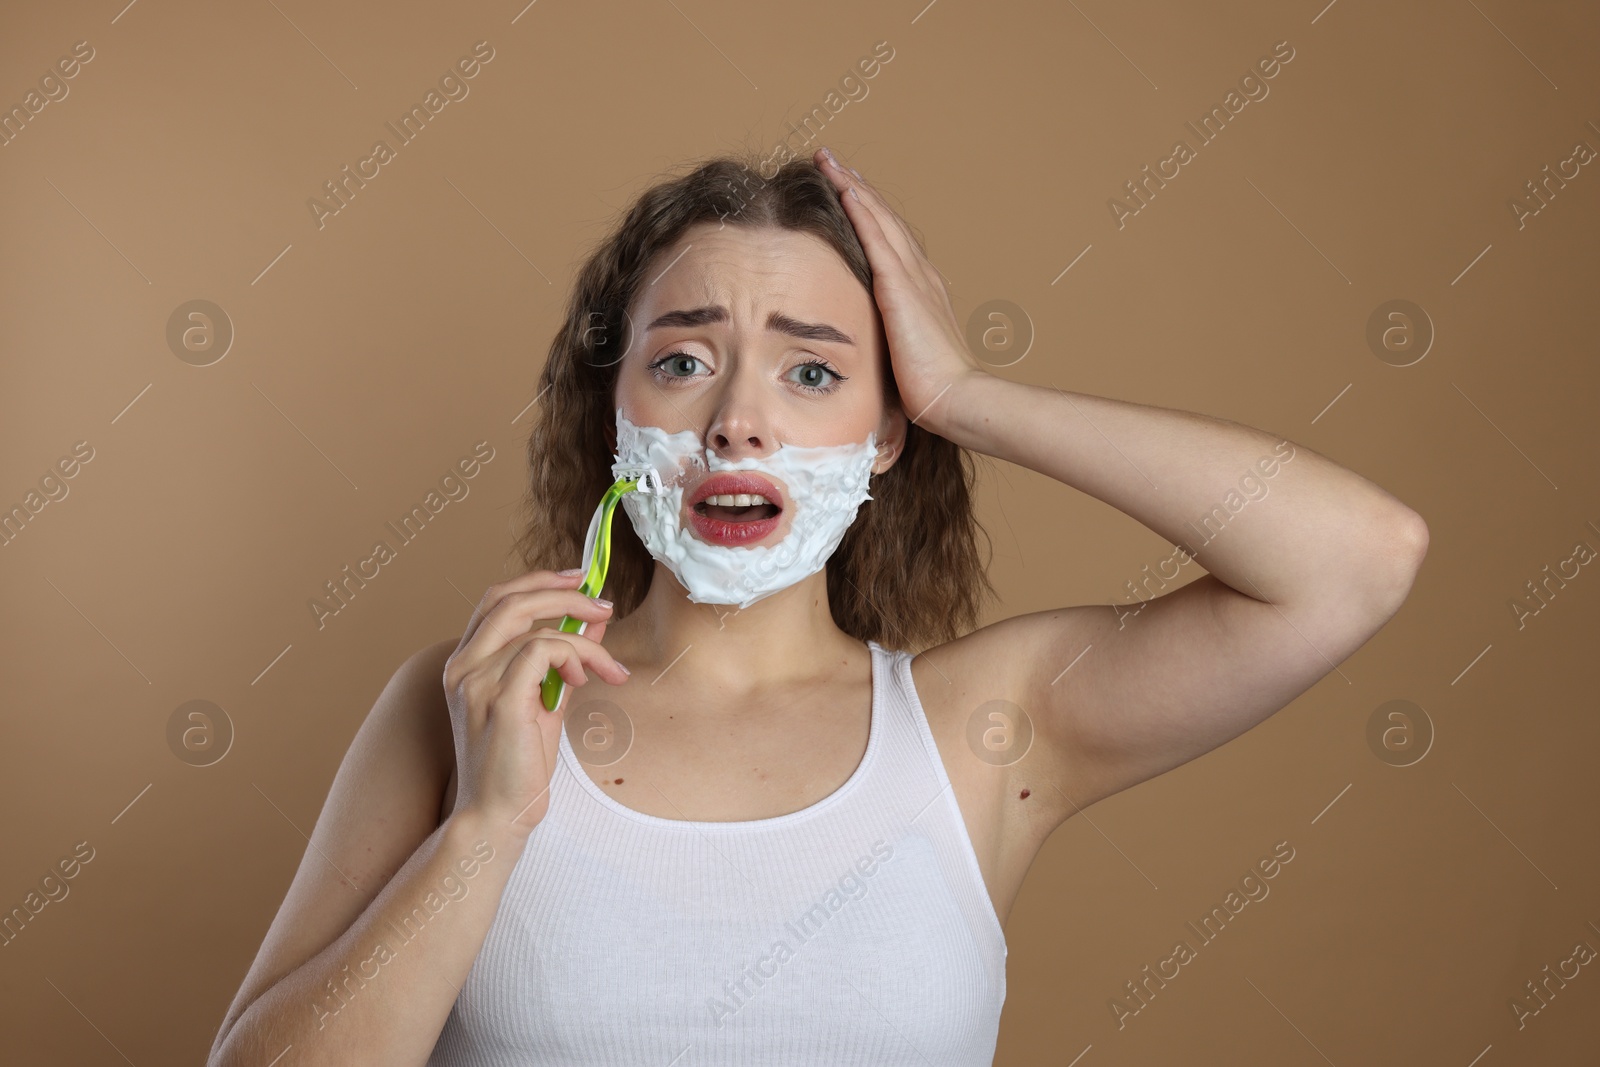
855 931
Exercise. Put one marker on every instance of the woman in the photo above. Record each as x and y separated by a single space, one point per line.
778 836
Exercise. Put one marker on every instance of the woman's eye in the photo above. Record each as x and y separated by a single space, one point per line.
674 361
813 377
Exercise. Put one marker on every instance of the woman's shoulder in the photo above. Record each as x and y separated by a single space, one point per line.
427 667
432 658
424 674
415 700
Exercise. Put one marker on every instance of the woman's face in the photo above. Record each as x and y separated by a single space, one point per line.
756 338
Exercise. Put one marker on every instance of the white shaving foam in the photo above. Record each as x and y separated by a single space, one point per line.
826 486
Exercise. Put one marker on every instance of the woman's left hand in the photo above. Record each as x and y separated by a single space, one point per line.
926 347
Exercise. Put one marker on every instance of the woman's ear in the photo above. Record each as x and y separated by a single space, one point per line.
891 437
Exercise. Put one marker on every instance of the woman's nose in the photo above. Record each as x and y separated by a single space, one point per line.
741 441
741 424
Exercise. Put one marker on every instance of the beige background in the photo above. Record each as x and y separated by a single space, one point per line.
372 353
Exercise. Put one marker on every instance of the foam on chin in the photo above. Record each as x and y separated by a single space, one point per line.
826 486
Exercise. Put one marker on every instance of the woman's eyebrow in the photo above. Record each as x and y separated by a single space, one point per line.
700 316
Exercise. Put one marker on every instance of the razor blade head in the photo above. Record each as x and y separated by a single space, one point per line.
647 478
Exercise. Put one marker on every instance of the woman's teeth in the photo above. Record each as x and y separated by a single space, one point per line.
737 507
736 500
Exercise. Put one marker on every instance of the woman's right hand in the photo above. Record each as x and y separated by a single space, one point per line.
506 742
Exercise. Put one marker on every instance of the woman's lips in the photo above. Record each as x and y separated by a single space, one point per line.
720 532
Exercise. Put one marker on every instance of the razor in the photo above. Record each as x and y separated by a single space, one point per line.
597 557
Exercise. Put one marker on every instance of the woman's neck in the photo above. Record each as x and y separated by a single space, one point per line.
786 638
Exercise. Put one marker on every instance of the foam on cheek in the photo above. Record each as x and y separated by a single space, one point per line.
826 487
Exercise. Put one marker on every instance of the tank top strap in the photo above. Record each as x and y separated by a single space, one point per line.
909 736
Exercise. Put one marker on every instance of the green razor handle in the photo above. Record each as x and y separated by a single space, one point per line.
597 560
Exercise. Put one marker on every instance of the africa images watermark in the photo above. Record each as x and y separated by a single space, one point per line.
453 84
52 490
1541 191
832 104
855 90
386 950
1541 594
53 88
1211 126
1140 992
341 591
53 888
1209 528
852 885
1540 994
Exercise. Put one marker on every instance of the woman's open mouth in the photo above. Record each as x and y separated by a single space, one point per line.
735 518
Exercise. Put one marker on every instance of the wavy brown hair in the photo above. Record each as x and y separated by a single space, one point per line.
907 572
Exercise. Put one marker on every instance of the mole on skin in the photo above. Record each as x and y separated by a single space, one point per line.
1024 795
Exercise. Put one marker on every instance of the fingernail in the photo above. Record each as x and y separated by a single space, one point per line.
625 670
602 603
855 194
828 154
857 173
570 572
